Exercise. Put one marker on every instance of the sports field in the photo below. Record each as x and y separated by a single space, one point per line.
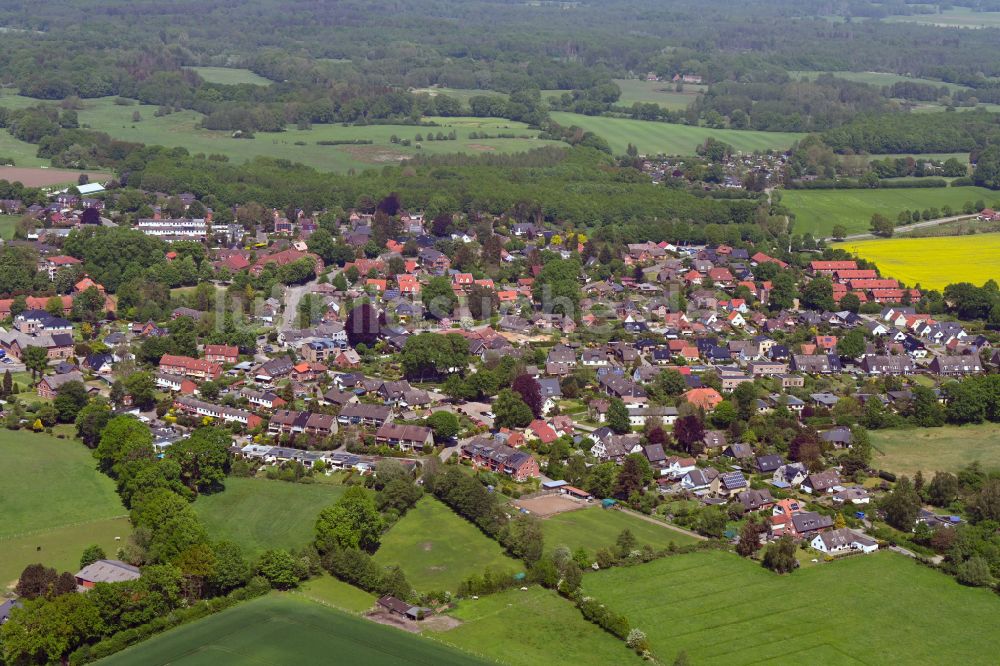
259 514
654 138
530 627
819 211
438 549
230 76
286 629
933 262
929 450
594 528
881 608
181 129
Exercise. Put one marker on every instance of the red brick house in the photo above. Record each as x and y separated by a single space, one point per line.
222 353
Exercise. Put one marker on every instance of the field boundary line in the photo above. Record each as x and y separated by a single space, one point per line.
21 535
664 524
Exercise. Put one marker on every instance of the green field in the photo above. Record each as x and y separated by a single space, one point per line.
181 129
23 154
954 17
328 590
874 609
259 514
933 262
59 547
654 138
879 79
230 76
657 92
286 629
819 211
945 449
49 483
437 549
594 528
7 223
535 626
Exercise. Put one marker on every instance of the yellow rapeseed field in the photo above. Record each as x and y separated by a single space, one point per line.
933 262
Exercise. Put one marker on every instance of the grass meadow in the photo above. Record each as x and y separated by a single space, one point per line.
54 503
259 514
654 138
881 608
326 589
819 211
533 626
879 79
287 629
658 92
438 549
594 528
933 262
300 145
230 76
945 449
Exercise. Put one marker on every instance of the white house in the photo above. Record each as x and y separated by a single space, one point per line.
836 542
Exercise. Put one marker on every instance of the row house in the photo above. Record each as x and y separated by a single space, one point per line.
227 414
888 365
222 353
288 422
264 399
956 365
405 437
364 414
501 459
190 367
174 383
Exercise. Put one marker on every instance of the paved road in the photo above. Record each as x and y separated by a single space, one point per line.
910 227
293 295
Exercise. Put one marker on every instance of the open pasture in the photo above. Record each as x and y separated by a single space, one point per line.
595 528
438 549
881 608
230 76
533 626
819 211
654 138
259 514
929 450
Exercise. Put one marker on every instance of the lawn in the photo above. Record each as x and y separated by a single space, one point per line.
937 449
49 483
286 629
881 608
536 626
259 514
653 137
933 262
181 129
819 211
7 223
437 549
230 76
59 547
594 528
328 590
